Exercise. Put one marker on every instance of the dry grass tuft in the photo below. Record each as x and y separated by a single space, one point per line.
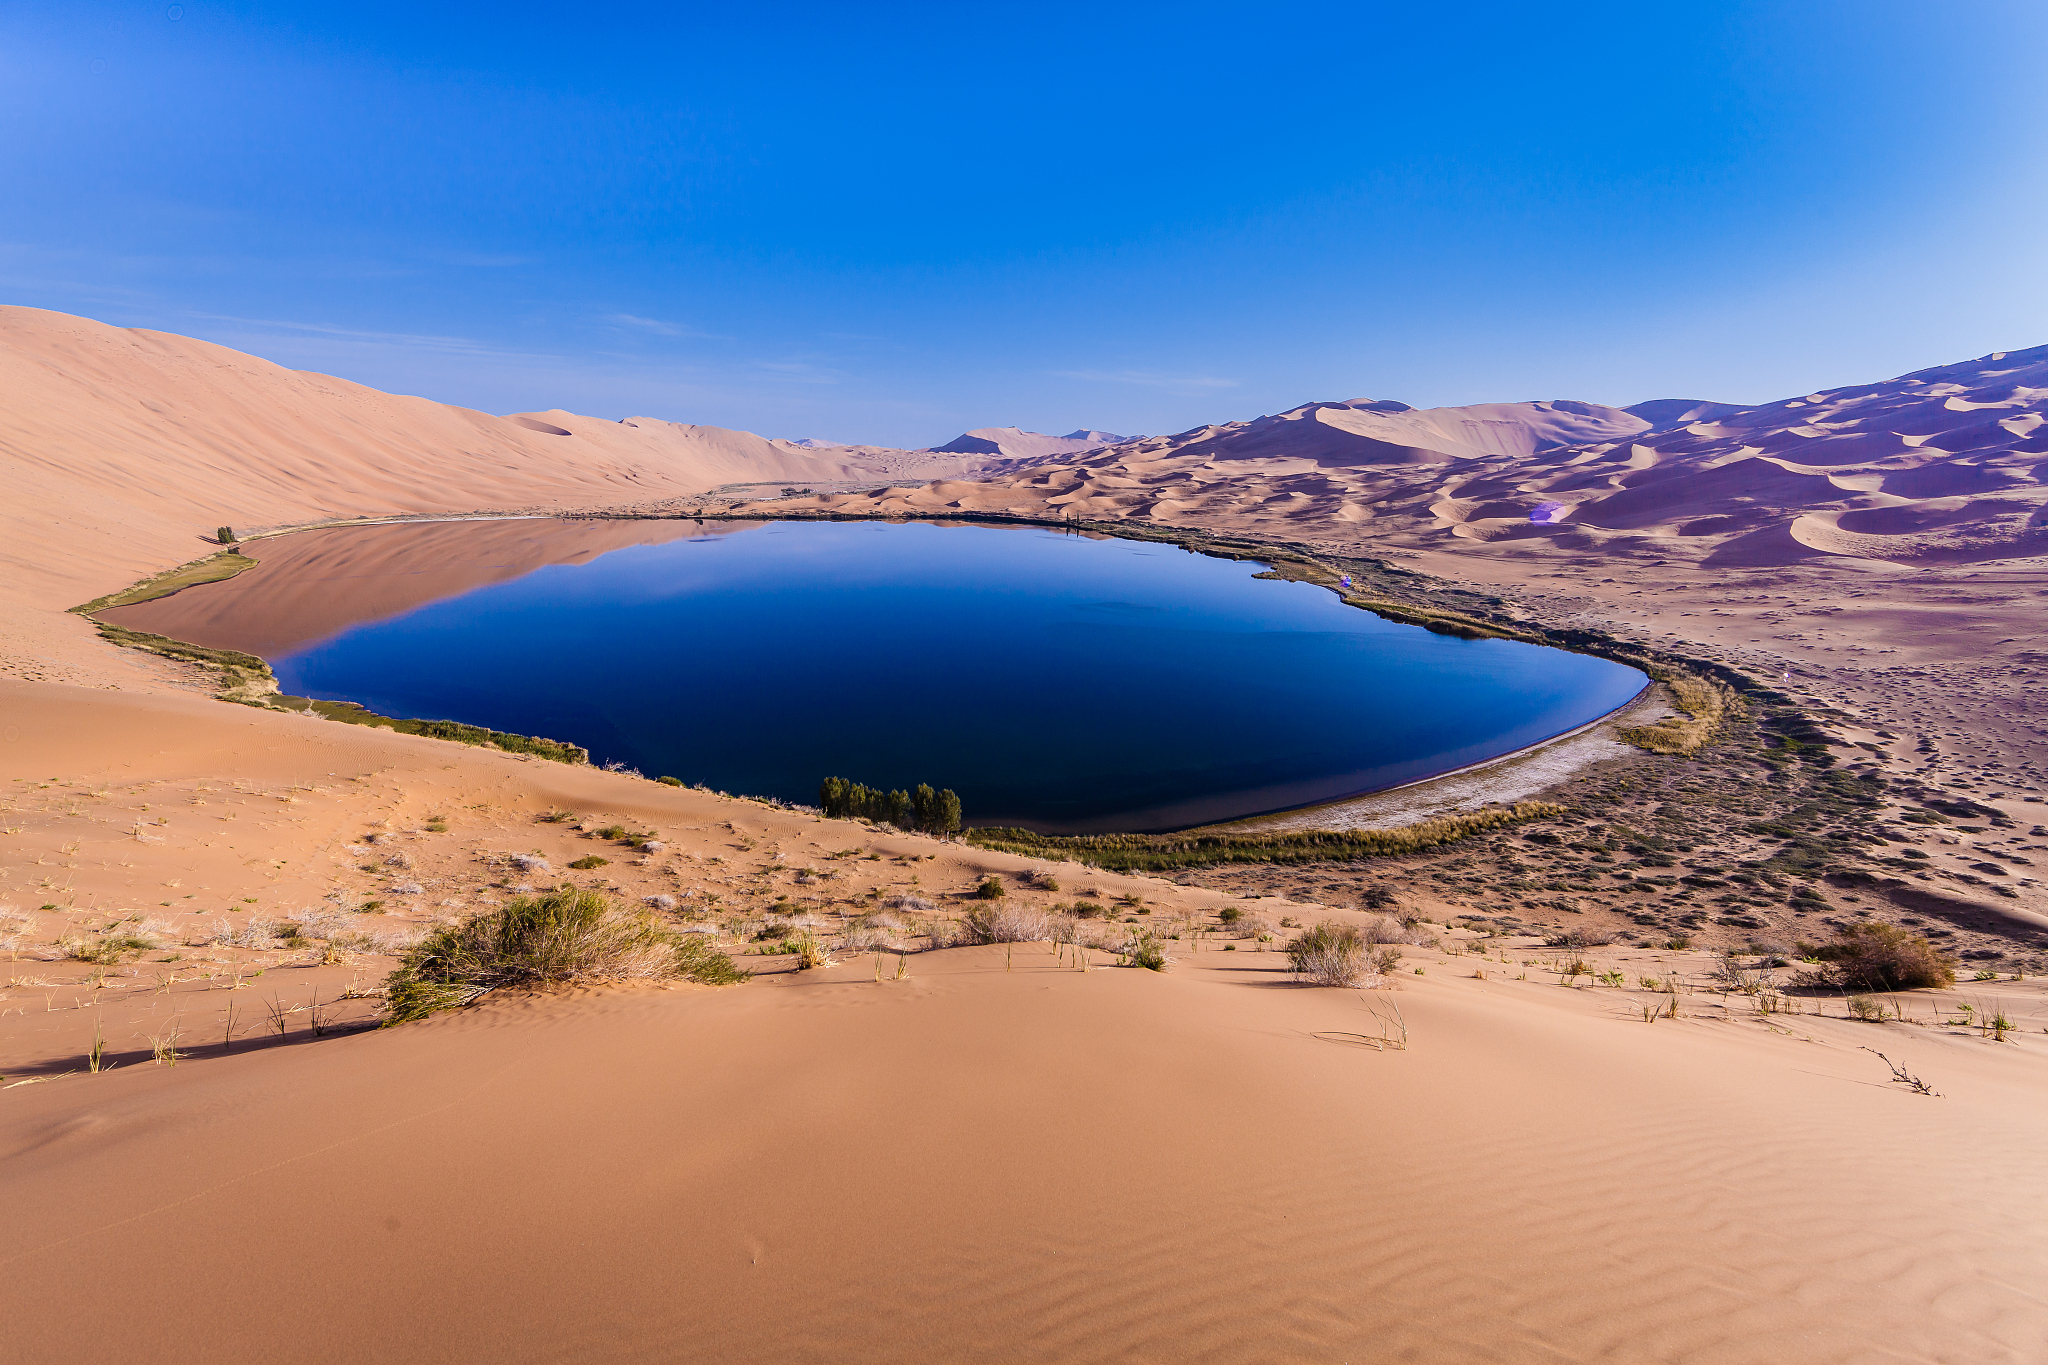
1874 956
1333 954
1704 704
1005 922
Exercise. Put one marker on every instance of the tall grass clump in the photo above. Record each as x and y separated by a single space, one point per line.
1871 955
547 942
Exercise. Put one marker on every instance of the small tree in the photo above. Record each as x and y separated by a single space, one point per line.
225 535
899 809
924 807
949 812
832 797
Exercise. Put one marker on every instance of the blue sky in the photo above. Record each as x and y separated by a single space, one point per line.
890 223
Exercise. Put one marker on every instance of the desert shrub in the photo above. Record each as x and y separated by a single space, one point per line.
1376 898
989 890
530 862
1089 910
911 905
563 938
1145 950
810 951
1871 955
670 781
1002 922
771 932
587 863
1230 914
1578 938
1331 954
659 902
1387 929
864 938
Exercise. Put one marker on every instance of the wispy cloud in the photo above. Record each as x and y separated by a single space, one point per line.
449 344
1151 379
659 327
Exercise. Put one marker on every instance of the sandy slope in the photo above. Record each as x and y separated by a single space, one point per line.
316 583
123 448
991 1159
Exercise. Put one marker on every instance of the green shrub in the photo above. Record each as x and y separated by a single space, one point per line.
1230 914
1145 950
586 863
670 781
989 890
563 938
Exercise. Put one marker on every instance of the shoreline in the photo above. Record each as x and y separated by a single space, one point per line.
243 687
1419 794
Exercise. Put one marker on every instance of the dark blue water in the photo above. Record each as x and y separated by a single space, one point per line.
1054 681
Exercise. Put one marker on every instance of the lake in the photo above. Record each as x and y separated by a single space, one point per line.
1064 683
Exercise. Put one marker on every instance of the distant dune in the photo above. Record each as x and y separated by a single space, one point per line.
1014 444
1943 465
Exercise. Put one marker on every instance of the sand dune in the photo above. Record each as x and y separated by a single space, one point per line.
1010 443
314 584
1705 480
999 1156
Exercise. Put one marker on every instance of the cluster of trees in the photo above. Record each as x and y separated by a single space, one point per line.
925 810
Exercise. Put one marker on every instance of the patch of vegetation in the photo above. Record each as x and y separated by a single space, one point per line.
989 890
1704 705
1871 955
243 677
1331 954
1145 950
212 569
349 713
108 949
548 942
590 861
921 809
1197 848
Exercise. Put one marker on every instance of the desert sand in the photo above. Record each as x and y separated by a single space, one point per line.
996 1155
